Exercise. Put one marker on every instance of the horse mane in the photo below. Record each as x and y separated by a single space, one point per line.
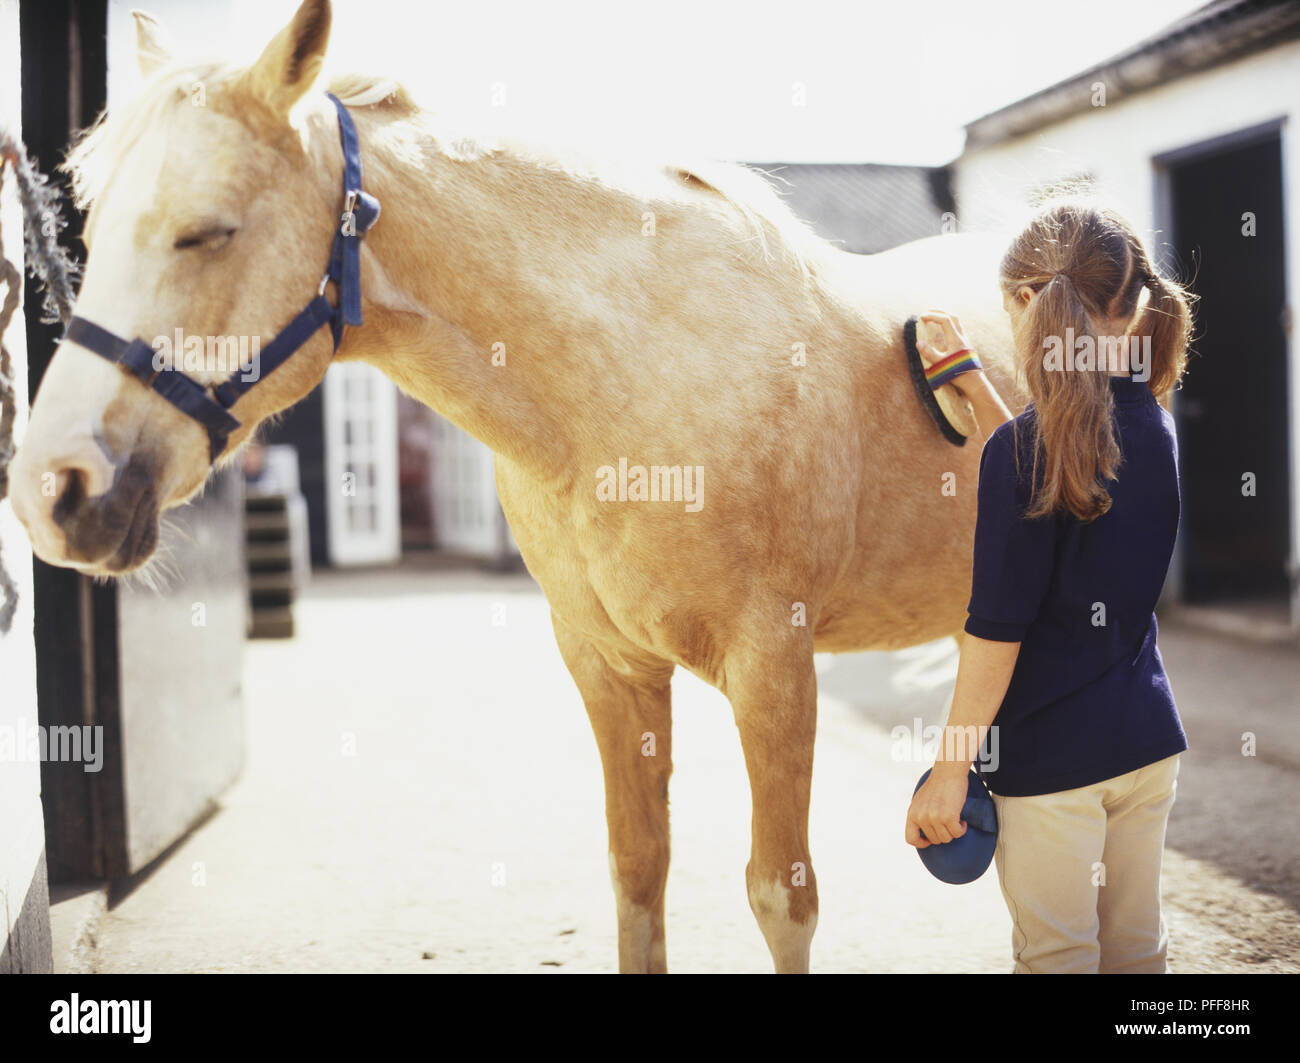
91 160
777 231
775 226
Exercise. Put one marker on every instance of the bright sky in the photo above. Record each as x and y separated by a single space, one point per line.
882 82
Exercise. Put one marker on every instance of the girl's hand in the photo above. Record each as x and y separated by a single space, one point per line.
953 337
936 808
953 340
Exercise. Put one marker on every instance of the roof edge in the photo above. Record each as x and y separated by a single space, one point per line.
1216 37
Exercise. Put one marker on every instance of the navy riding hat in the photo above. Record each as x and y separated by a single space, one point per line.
966 858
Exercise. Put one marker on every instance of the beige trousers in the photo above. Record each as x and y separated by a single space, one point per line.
1080 871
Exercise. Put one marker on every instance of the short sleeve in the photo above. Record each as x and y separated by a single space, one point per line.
1014 556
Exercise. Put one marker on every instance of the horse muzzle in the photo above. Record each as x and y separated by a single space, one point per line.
107 533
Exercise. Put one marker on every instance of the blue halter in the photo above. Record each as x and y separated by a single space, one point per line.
210 405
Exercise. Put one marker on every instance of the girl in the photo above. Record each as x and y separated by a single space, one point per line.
1077 512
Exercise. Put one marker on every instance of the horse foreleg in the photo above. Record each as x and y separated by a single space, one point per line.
775 703
631 714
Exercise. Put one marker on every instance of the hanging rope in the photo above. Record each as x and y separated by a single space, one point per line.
43 221
56 273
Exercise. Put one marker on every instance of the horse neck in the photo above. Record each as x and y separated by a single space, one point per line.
488 284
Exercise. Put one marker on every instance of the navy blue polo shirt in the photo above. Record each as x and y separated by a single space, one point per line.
1089 698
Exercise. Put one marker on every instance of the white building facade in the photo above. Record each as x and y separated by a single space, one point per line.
1192 135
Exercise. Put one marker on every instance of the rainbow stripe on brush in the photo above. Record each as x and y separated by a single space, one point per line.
950 366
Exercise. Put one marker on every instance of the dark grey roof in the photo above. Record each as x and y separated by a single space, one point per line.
1207 37
864 207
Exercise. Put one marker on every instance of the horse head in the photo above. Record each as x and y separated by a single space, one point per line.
212 209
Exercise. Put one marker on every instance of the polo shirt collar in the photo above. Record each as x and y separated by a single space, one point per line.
1126 389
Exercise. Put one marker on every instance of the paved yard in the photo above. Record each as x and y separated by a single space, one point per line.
423 793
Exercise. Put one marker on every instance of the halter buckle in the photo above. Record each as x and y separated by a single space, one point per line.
361 211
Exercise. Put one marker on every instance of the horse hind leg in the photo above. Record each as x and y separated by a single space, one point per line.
774 699
631 716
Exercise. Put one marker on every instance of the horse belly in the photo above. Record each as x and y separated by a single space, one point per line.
908 579
891 618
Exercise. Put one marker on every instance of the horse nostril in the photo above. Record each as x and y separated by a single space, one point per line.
70 493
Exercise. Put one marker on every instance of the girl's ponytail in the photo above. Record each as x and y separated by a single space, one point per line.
1073 409
1087 268
1167 319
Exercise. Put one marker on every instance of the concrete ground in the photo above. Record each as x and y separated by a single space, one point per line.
422 793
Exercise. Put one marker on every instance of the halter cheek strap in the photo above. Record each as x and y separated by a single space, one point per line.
210 405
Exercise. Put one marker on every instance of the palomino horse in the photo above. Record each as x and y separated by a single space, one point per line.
574 319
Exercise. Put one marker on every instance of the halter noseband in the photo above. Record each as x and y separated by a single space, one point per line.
212 411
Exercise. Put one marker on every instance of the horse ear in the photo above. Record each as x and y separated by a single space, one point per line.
151 46
285 71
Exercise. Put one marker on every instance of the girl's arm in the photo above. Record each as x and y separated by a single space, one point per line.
985 669
990 411
983 675
975 387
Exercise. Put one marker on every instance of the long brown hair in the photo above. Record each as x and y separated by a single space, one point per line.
1087 266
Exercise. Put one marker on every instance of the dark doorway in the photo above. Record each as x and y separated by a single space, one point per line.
1232 409
64 77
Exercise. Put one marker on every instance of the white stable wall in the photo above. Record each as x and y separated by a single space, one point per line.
1116 145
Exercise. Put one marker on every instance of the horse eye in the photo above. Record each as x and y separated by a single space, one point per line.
209 238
